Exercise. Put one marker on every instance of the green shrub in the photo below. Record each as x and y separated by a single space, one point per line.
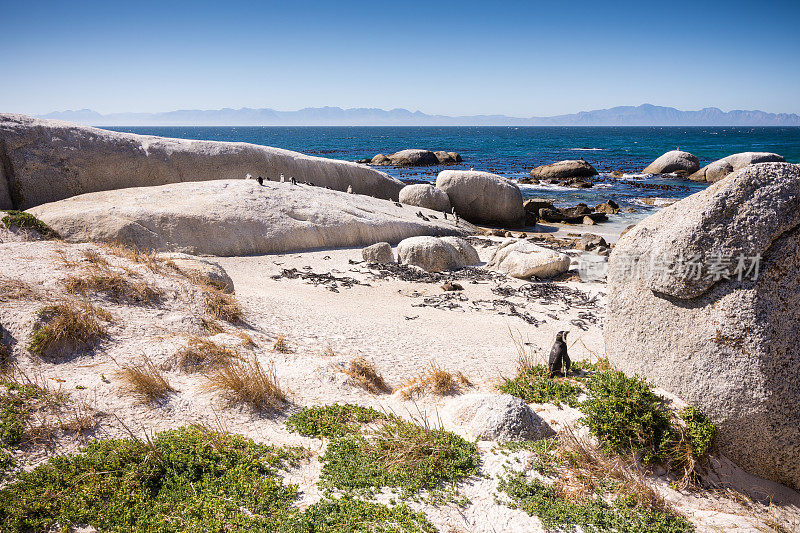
189 479
534 385
590 514
699 429
396 453
21 219
332 420
627 416
348 515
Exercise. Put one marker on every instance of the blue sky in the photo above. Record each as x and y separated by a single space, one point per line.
515 58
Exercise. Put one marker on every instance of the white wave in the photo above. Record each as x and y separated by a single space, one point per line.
588 149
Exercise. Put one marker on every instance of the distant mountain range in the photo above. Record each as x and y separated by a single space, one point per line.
643 115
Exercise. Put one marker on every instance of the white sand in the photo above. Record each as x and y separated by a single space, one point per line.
362 320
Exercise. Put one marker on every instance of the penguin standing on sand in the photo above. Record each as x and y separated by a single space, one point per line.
294 181
559 360
260 180
455 215
283 180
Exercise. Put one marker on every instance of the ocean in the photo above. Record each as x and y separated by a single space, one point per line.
512 151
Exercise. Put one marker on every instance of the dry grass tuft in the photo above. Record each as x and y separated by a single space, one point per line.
67 327
211 326
366 376
99 277
327 352
437 381
247 340
222 305
80 419
588 471
15 289
149 259
93 257
281 345
201 354
145 381
247 382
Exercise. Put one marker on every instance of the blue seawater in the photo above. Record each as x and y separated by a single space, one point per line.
513 151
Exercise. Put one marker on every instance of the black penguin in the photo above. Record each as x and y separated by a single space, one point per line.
559 360
294 181
260 180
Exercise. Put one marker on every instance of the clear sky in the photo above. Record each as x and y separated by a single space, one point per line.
455 58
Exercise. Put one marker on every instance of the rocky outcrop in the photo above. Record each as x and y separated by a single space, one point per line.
207 271
494 417
483 198
562 170
720 168
416 158
448 158
49 160
703 301
237 217
609 207
378 253
523 259
425 195
674 161
571 215
437 254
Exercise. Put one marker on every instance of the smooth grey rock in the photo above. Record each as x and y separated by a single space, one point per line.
413 158
729 347
378 253
523 259
448 158
209 271
674 161
482 197
236 217
50 160
436 254
424 195
495 417
571 168
720 168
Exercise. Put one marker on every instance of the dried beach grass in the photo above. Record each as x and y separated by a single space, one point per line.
99 277
16 289
147 258
247 382
435 380
364 373
201 354
588 470
145 381
66 327
221 305
281 345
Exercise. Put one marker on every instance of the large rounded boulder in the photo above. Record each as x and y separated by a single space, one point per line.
48 160
523 259
482 197
424 195
720 168
414 158
571 168
672 162
702 301
437 254
237 217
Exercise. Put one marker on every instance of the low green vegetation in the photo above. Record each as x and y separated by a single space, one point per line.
332 420
395 453
595 514
700 431
21 219
189 479
627 416
534 385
